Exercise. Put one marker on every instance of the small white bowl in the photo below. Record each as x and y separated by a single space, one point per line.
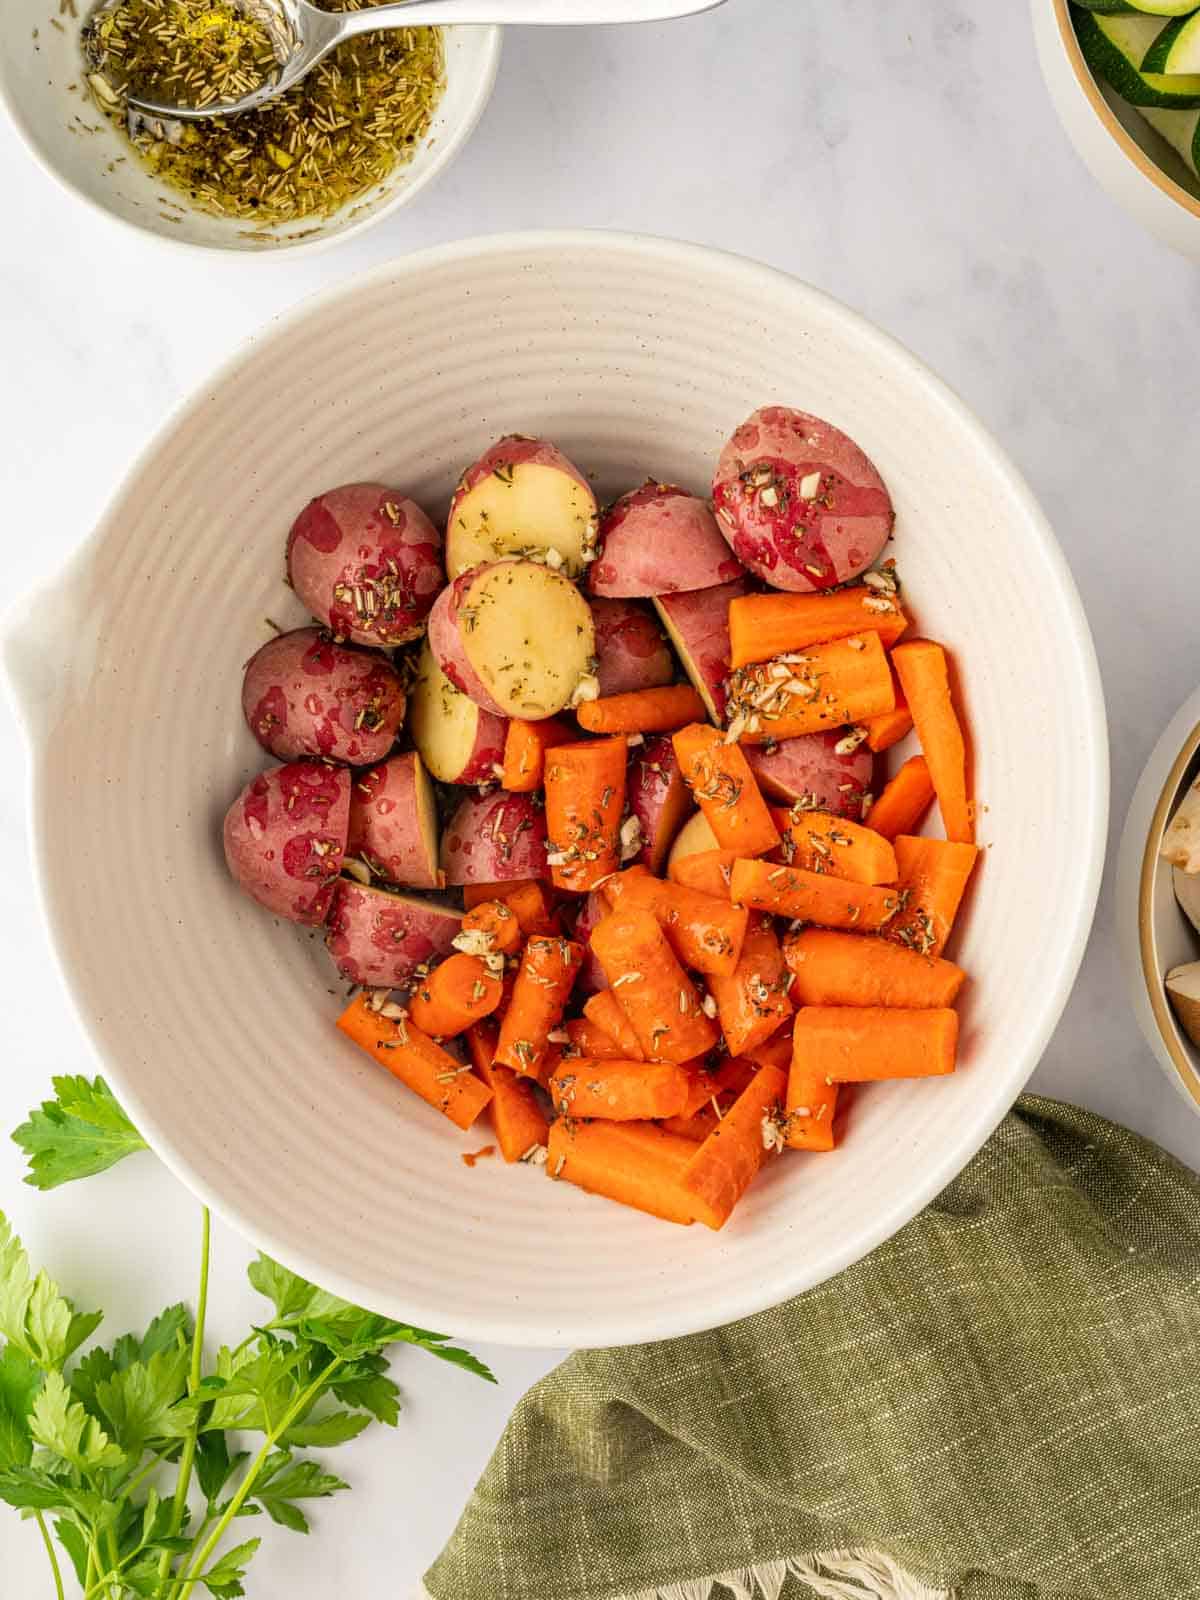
1122 151
639 357
40 60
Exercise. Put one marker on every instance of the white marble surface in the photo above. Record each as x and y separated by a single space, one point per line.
902 156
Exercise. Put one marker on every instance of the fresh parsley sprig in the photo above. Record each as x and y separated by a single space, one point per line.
89 1442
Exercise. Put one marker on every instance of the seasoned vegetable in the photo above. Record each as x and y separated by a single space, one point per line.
393 822
904 801
860 1044
585 797
643 711
383 939
543 987
933 879
285 836
619 1091
705 932
493 838
633 1162
306 695
822 771
924 676
422 1066
520 1123
765 625
825 686
728 1161
658 998
698 626
753 1001
458 742
659 540
460 991
525 749
814 896
815 841
846 969
631 649
724 788
658 798
522 498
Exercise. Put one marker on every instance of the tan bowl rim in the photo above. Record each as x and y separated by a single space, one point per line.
1155 986
1083 76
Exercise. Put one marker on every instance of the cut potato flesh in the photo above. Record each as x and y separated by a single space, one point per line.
694 838
528 634
529 510
457 741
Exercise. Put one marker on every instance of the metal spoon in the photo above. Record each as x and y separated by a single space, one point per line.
307 34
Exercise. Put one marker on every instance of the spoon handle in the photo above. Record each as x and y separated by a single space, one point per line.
557 13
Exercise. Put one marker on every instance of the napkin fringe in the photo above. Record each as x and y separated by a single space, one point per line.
833 1575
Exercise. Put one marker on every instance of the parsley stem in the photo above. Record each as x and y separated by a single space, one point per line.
188 1456
49 1543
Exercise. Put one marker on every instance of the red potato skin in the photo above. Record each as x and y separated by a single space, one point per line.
660 540
384 825
285 837
487 755
446 642
494 838
658 798
793 542
366 535
592 910
808 769
380 939
702 620
632 652
304 694
514 450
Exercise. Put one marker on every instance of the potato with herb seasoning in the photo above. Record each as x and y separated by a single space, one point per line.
811 771
367 562
393 822
285 836
660 539
494 838
382 938
522 498
631 649
458 741
304 694
698 626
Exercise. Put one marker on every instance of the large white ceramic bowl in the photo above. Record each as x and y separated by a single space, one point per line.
41 86
216 1024
1122 151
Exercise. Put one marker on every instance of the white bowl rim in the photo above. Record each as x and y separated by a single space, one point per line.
453 142
674 1319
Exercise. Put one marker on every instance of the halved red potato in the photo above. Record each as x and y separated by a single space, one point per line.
367 562
379 938
285 836
808 770
493 838
799 502
658 798
592 909
521 498
660 539
631 649
698 626
694 838
306 695
516 637
457 741
393 822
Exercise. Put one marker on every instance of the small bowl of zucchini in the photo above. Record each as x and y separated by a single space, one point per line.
1124 76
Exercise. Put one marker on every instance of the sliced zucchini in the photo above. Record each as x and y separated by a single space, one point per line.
1177 48
1115 47
1181 130
1164 8
1110 8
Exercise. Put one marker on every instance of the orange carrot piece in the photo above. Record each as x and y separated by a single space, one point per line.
713 1092
724 788
810 1105
585 797
705 932
410 1055
814 896
525 746
604 1011
817 841
497 925
697 1127
619 1091
774 1052
526 898
848 969
642 710
842 682
584 1038
924 675
725 1165
904 801
545 979
890 727
752 1003
459 991
520 1123
866 1044
634 1163
708 870
655 993
933 878
766 625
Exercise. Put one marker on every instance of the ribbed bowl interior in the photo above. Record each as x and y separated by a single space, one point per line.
215 1023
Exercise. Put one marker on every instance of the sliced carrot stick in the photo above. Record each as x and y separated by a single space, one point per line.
766 625
635 1163
817 841
657 996
619 1091
924 677
890 727
585 797
813 896
811 1102
492 926
724 788
848 969
525 746
584 1038
708 870
774 1052
822 687
697 1127
604 1011
712 1094
933 878
643 711
706 933
520 1124
864 1044
410 1055
752 1003
459 991
544 981
526 898
725 1165
702 1085
904 801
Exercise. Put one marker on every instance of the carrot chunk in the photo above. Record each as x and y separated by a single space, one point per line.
904 801
811 1102
707 870
705 932
520 1123
526 898
724 787
497 927
459 991
817 841
753 1003
642 710
924 677
658 998
765 625
842 682
545 979
635 1163
933 879
585 797
605 1012
525 746
865 1044
422 1066
848 969
814 896
725 1165
619 1091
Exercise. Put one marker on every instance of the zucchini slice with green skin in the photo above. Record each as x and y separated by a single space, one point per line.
1177 48
1181 130
1110 8
1164 8
1114 48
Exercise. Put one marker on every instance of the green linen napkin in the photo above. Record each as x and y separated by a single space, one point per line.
1003 1401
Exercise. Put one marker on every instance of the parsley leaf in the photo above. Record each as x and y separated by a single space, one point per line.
64 1427
31 1489
294 1297
284 1480
34 1316
19 1383
81 1132
365 1386
336 1427
141 1402
214 1465
225 1578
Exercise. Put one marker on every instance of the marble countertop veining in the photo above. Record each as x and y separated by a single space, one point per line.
905 158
